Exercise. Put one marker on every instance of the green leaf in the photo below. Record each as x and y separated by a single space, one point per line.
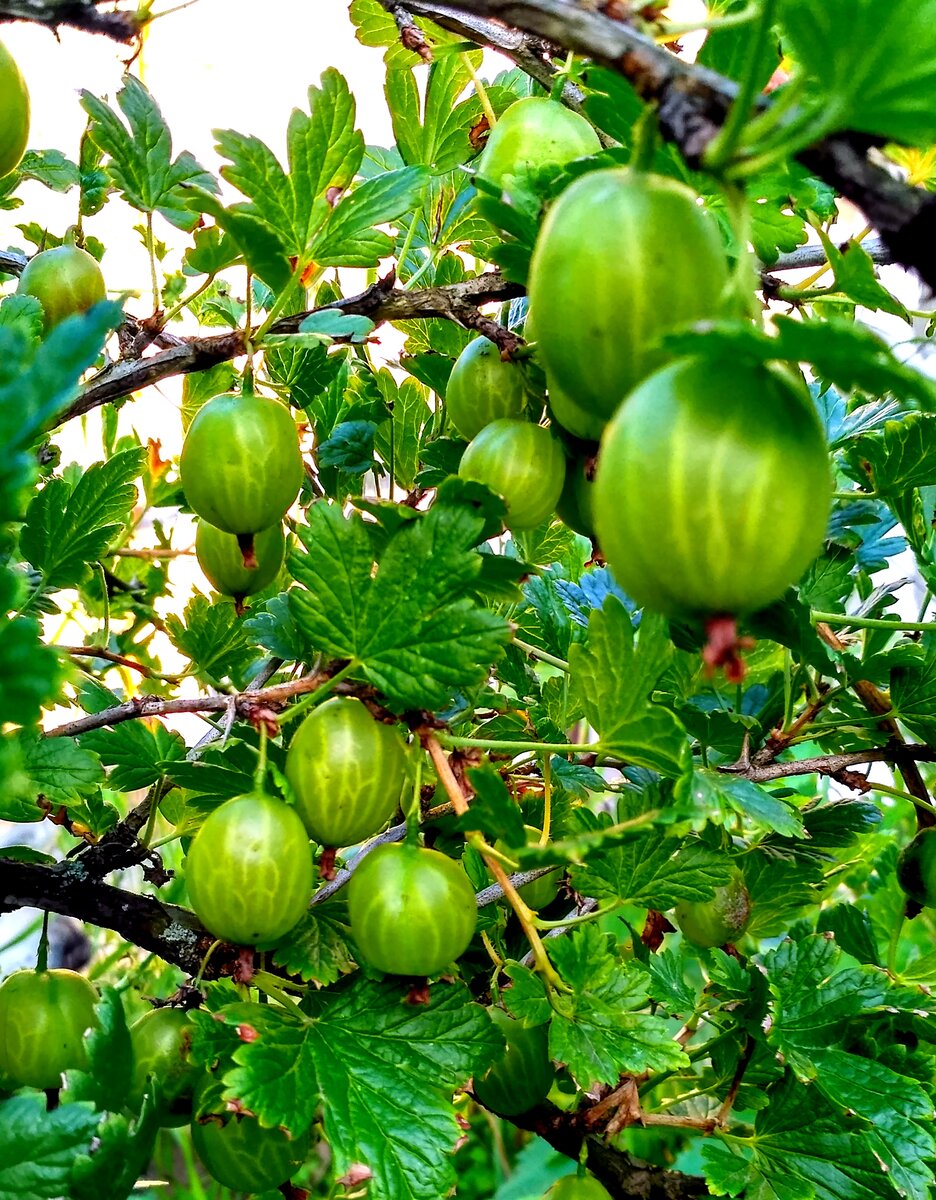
854 273
385 1071
35 387
212 636
213 776
653 871
913 694
120 1157
69 527
867 74
106 1083
754 804
349 447
50 168
274 628
260 244
901 456
853 932
329 324
845 354
801 1149
317 948
813 1001
399 441
898 1109
324 152
137 752
60 770
141 165
418 645
349 238
614 679
493 810
30 672
596 1032
38 1149
212 251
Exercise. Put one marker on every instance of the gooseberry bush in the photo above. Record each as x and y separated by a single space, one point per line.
560 816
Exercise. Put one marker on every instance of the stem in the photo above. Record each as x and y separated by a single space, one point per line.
151 251
583 919
281 301
273 988
154 809
542 655
260 771
451 740
204 962
547 799
855 495
187 300
316 697
105 601
723 147
492 953
872 623
646 140
524 914
407 244
42 955
486 106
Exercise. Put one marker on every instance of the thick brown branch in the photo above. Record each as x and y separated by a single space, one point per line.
175 934
457 302
79 14
626 1178
692 103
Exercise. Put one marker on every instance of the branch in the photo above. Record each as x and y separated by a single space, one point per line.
174 933
626 1178
830 764
242 704
382 302
80 14
692 104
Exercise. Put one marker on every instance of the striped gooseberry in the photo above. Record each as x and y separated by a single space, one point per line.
719 921
652 259
412 910
240 466
483 388
14 104
43 1019
160 1042
244 1155
531 134
347 770
916 868
521 462
522 1076
578 1187
713 488
222 561
66 280
249 870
